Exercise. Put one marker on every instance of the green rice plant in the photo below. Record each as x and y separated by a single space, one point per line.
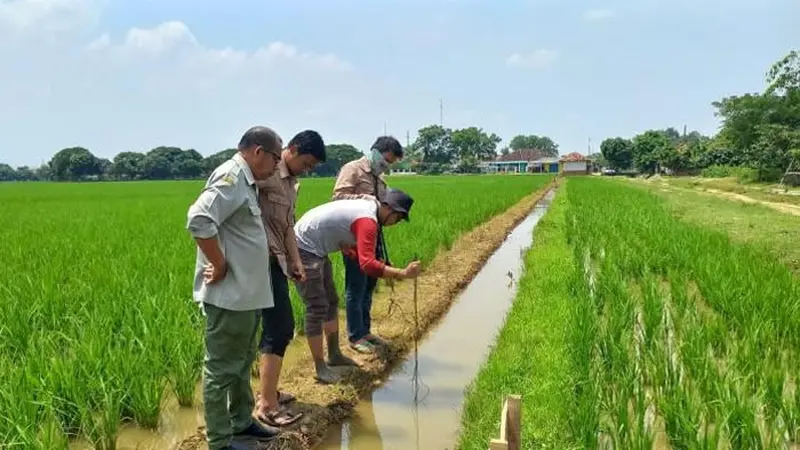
532 354
584 420
682 417
774 381
96 292
742 425
100 421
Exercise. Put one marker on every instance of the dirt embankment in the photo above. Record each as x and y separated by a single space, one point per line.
438 286
785 208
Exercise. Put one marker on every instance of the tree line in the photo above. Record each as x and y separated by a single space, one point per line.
435 150
438 149
758 138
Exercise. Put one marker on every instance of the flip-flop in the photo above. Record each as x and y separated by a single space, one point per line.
363 346
375 340
279 417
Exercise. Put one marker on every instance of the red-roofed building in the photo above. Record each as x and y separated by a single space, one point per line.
575 164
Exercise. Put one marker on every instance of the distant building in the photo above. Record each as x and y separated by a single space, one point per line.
522 161
575 164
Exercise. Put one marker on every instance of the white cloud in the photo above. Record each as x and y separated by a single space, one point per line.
592 15
175 41
18 17
138 88
537 59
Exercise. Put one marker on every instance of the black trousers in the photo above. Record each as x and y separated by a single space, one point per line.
277 322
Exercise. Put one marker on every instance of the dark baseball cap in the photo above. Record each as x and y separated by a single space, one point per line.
399 201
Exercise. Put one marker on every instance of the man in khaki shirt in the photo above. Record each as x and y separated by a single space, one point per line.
357 179
278 198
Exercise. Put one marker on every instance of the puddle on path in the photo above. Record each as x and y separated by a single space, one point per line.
419 405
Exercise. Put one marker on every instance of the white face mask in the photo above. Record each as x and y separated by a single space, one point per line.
378 162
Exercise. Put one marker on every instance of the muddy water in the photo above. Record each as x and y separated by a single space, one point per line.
419 405
176 423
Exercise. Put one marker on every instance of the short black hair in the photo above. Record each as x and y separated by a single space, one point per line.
309 142
388 144
261 136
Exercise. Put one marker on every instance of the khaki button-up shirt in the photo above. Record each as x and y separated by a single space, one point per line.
356 180
228 208
278 199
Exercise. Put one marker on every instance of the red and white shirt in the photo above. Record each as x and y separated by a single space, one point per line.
342 225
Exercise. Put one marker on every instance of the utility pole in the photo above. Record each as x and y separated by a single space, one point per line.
441 113
408 138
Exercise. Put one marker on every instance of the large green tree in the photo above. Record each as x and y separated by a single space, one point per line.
336 156
7 173
74 163
649 148
472 145
544 143
434 143
618 152
215 160
128 166
25 173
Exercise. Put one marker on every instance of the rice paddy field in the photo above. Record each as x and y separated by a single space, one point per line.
634 328
97 325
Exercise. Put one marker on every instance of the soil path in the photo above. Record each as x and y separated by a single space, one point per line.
785 208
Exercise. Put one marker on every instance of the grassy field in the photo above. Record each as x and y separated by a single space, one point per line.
746 223
676 336
96 320
758 191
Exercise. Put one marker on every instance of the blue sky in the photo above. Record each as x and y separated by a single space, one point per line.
115 76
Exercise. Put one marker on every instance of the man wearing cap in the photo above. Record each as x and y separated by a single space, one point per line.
360 179
350 226
278 198
233 286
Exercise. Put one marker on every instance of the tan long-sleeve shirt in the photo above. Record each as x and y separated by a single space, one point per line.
356 179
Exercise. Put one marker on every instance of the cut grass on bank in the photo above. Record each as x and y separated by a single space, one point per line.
530 357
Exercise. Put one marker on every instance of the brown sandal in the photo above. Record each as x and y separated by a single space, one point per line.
279 417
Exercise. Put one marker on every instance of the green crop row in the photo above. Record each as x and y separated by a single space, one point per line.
97 325
695 338
530 355
674 337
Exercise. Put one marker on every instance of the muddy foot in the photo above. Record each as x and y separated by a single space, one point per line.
327 376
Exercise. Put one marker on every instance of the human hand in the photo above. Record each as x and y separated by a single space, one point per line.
349 251
298 272
411 270
214 273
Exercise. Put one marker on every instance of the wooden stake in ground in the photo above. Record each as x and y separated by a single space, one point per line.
510 425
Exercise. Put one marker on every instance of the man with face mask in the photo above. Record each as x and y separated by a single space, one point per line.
363 178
